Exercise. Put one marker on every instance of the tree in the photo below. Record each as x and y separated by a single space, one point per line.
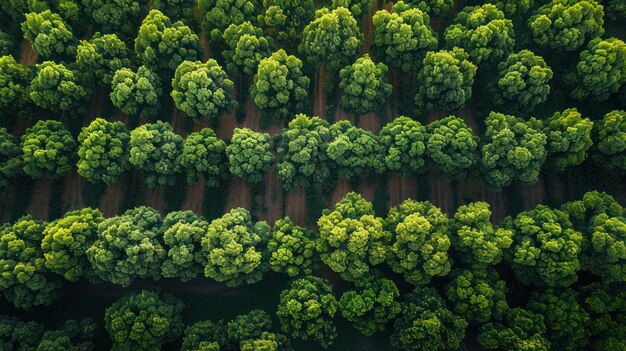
285 19
516 10
520 330
177 9
352 239
565 25
48 150
136 94
182 236
49 36
614 9
156 149
233 248
364 84
452 146
7 44
72 335
604 251
404 144
610 136
102 56
163 46
103 151
475 239
202 90
59 89
18 335
10 163
249 154
565 319
601 70
127 247
292 249
372 306
248 326
357 7
546 247
583 212
332 39
24 279
523 82
513 150
306 310
301 153
607 310
569 138
279 87
445 81
204 157
120 16
246 47
205 333
267 341
66 240
354 151
143 321
483 32
425 323
420 244
435 8
219 14
403 36
15 80
477 294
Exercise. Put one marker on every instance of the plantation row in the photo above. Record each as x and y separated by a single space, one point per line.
545 249
313 153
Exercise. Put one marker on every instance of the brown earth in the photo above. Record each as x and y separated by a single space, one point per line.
319 95
440 191
195 197
343 115
7 199
273 197
39 206
28 57
113 196
156 199
400 188
253 115
367 28
533 195
469 117
295 207
72 196
341 189
366 188
238 194
370 122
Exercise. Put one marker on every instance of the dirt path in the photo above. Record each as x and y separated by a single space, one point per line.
391 109
319 95
238 194
253 115
341 189
28 57
533 195
370 122
72 196
7 199
440 191
195 197
367 28
400 188
295 207
343 115
39 206
273 197
367 187
468 116
113 197
156 199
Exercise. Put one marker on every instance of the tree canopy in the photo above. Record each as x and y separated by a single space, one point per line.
14 87
364 84
249 154
102 56
452 146
611 136
204 157
136 93
354 151
182 236
292 249
569 138
59 89
246 47
48 150
404 144
49 35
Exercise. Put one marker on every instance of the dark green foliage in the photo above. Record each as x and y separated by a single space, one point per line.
606 305
233 249
333 39
128 247
566 25
49 36
285 19
444 81
48 150
66 240
372 306
143 321
306 310
354 152
176 9
520 330
404 144
403 36
569 138
103 151
7 45
204 333
301 153
73 336
10 163
14 87
582 212
249 154
182 235
477 294
280 88
514 9
102 56
267 341
605 247
357 7
246 48
435 8
248 326
452 146
59 89
119 16
292 249
364 84
614 9
204 157
137 94
523 82
202 90
18 335
484 33
425 323
24 279
156 149
610 140
419 249
352 238
512 151
546 247
219 14
163 45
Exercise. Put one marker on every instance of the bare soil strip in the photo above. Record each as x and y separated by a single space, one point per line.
39 206
195 197
296 206
113 196
238 194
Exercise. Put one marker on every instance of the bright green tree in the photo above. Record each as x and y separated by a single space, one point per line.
286 19
280 88
452 146
520 330
246 47
404 144
182 236
204 157
267 341
202 90
120 16
292 249
59 89
10 162
357 7
610 140
143 321
156 149
477 294
354 151
219 14
364 84
128 247
15 80
352 238
248 326
569 138
583 212
444 81
136 94
306 310
205 336
605 248
102 56
50 37
48 150
233 248
249 154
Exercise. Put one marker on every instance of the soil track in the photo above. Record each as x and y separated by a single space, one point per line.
341 189
343 115
400 188
253 114
295 207
112 198
39 206
319 95
273 197
28 57
533 195
72 197
238 194
156 199
195 197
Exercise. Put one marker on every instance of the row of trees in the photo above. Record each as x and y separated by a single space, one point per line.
545 248
312 153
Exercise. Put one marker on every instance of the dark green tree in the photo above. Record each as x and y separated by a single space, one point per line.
59 89
520 330
15 81
136 94
7 44
614 9
18 335
610 140
48 150
292 249
219 14
205 335
404 144
182 236
250 154
286 19
102 56
604 251
50 37
10 162
364 84
246 47
354 151
176 9
72 335
452 146
248 326
477 294
569 138
606 306
119 16
204 157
